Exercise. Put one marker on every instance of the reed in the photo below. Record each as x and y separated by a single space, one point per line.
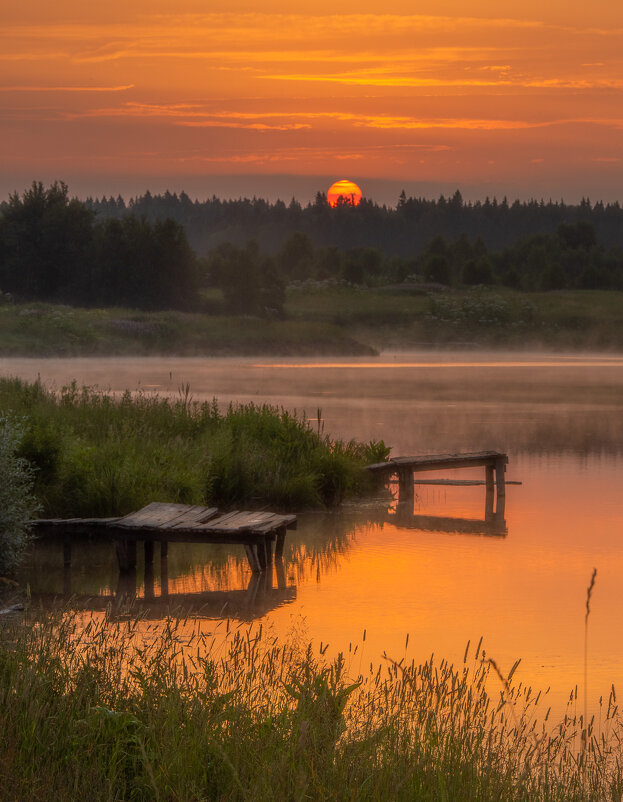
102 711
95 454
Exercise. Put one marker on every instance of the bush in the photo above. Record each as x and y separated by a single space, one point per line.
17 505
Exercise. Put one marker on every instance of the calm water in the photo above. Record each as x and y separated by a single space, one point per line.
523 589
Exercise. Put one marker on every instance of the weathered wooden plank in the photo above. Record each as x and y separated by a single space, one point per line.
459 482
152 515
236 521
275 522
439 461
165 515
196 515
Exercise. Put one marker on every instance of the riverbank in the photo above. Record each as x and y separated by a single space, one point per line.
327 319
105 711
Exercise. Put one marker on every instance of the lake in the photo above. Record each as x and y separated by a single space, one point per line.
375 568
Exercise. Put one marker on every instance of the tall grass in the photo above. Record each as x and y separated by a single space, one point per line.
98 455
120 712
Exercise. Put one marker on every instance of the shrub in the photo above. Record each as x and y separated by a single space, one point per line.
17 505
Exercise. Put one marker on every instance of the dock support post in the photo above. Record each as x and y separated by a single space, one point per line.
67 567
489 478
126 554
279 543
252 557
500 470
148 547
281 574
126 589
489 492
164 569
261 553
405 484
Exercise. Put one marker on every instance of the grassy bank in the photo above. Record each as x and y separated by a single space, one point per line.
46 330
406 316
328 319
97 455
99 713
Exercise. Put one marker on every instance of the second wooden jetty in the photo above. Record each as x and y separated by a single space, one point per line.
406 467
177 523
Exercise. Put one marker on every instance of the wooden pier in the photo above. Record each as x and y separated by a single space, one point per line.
404 468
257 532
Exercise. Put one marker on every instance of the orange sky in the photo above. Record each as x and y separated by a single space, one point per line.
523 97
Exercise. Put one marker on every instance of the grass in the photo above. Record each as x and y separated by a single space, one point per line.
389 319
327 320
97 455
39 329
105 711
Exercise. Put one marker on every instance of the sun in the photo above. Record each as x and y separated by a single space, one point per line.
344 191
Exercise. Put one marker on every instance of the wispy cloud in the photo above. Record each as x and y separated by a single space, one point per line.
195 115
66 88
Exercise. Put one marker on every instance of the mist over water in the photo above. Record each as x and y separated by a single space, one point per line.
559 418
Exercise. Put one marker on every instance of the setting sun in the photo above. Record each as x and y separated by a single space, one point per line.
347 190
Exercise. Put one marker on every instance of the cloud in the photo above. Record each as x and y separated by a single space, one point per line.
66 88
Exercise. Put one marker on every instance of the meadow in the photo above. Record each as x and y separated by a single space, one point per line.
323 318
405 316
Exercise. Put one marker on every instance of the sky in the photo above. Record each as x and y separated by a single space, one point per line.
240 98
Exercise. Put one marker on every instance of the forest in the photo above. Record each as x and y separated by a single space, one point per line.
169 252
397 231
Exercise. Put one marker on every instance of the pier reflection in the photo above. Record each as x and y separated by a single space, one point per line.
153 598
493 522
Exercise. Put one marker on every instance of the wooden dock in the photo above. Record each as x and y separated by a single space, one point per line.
404 468
257 532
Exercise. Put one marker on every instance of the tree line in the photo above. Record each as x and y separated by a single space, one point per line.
567 258
58 249
402 230
55 248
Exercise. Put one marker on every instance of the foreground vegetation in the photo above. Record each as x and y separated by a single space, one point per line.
103 712
97 455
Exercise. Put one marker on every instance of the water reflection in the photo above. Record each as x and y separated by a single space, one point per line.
390 570
150 593
417 403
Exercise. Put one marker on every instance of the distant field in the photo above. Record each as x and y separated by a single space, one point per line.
392 318
328 320
48 330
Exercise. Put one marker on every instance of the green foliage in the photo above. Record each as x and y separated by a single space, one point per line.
17 505
477 308
52 249
478 271
97 711
249 281
101 456
142 265
437 269
45 244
